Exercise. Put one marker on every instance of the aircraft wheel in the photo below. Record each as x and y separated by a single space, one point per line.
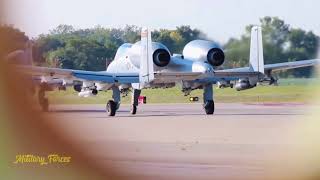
209 107
111 108
133 110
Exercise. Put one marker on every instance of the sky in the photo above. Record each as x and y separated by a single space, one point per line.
219 19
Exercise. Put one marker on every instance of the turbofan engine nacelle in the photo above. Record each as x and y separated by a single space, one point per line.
244 85
205 51
161 57
160 54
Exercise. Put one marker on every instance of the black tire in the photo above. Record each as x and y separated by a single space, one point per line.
209 107
133 110
111 108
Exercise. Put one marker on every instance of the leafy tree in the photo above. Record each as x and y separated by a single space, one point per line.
188 34
63 29
43 45
176 39
91 49
281 43
11 39
131 34
237 52
302 45
164 37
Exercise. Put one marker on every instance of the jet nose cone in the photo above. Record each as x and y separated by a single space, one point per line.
204 68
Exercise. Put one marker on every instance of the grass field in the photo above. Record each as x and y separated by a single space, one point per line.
289 90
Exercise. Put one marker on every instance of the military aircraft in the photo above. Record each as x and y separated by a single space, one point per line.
148 64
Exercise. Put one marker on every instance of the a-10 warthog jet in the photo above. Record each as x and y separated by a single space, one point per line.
148 64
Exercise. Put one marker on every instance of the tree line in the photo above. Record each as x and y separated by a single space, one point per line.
92 49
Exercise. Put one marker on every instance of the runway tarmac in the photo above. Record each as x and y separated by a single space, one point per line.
177 141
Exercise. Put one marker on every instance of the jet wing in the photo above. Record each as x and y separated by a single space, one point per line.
230 74
70 74
291 65
280 66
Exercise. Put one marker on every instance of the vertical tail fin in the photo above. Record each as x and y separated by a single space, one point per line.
146 74
256 50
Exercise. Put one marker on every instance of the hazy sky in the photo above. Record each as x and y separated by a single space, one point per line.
219 19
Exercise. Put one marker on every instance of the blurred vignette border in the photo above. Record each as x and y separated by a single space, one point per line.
24 131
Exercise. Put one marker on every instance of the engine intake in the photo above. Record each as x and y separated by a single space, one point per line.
160 54
205 51
216 57
161 57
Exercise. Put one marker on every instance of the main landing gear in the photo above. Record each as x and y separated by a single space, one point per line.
111 108
208 99
135 101
209 107
113 105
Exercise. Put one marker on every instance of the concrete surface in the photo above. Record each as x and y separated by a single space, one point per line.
177 141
